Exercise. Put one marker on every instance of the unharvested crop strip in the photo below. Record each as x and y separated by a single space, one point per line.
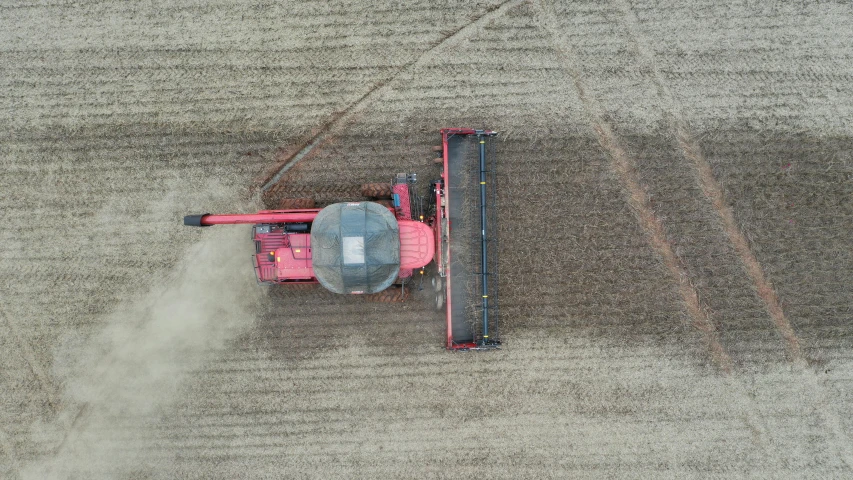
343 117
626 169
712 190
714 193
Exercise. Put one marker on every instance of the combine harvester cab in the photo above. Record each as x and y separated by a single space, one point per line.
366 247
466 237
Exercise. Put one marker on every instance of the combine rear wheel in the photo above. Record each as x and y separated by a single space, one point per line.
392 294
376 190
296 203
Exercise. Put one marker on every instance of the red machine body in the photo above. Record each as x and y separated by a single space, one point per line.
283 242
463 181
283 250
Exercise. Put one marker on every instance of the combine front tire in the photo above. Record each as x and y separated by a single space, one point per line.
376 190
392 294
296 203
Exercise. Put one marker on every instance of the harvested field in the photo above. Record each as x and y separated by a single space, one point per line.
676 251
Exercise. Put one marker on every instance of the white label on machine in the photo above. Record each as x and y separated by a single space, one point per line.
353 250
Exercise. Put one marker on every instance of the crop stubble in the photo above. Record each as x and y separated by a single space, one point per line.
600 376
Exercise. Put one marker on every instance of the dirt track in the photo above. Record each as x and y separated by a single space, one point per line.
676 186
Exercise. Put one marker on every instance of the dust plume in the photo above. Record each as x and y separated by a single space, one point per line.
124 378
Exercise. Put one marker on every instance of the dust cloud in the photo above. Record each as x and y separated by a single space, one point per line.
121 380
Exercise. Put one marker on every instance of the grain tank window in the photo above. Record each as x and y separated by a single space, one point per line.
353 250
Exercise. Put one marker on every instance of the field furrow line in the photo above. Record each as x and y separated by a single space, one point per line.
376 91
638 199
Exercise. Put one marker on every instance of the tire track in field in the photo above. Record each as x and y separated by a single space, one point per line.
638 199
714 193
29 357
710 187
9 450
341 118
627 170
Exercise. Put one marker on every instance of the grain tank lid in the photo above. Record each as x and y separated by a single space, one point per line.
355 247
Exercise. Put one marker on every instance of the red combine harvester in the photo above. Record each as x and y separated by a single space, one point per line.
369 247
